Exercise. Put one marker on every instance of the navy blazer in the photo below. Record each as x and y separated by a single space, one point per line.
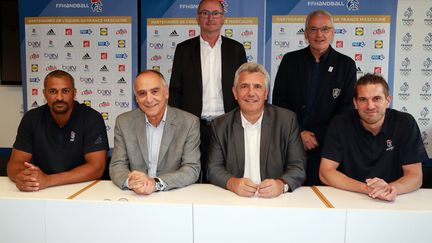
185 91
335 93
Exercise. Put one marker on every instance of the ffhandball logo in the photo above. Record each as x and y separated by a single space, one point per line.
353 5
96 6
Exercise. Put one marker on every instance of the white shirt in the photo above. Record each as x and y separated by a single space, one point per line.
252 138
211 69
154 139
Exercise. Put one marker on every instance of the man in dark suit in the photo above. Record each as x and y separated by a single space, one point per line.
316 83
203 70
256 149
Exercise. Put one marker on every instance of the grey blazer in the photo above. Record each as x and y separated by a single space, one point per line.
179 155
281 150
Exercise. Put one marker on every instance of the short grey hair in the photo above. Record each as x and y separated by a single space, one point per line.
316 13
252 67
155 72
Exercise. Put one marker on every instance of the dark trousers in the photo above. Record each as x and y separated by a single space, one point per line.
205 129
312 167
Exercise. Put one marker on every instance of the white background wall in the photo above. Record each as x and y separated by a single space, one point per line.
11 100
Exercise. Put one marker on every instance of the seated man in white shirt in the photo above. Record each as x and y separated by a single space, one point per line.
156 147
256 149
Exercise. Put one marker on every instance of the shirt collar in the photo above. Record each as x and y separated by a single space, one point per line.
163 118
323 57
203 42
245 122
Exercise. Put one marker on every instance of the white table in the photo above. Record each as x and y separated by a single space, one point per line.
408 219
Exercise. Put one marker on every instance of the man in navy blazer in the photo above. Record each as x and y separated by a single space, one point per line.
256 149
203 70
316 83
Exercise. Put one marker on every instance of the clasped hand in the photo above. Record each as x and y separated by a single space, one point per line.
380 189
245 187
141 183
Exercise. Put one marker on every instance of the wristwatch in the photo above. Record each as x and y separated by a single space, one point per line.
285 188
159 185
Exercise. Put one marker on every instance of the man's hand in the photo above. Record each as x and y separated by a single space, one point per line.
31 179
380 189
270 188
242 186
140 183
309 140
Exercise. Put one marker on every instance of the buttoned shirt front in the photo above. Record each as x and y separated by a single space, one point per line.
252 138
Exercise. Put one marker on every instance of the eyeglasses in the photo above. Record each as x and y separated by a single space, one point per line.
324 29
64 91
214 14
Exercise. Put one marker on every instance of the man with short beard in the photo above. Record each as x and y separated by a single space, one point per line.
61 142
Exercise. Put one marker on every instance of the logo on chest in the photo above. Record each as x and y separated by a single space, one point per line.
336 92
389 145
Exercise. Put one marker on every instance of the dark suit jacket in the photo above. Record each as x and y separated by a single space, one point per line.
179 155
290 88
186 77
281 153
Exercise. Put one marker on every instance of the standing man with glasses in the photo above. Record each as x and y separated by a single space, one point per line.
203 72
316 83
59 143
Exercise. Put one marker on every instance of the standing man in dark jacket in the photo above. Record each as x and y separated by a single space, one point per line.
203 71
316 83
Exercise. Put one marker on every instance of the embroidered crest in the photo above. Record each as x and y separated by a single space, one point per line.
336 92
389 145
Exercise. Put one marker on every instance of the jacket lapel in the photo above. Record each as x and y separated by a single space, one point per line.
266 133
239 142
141 134
168 134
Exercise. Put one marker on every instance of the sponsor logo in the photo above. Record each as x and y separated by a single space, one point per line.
34 68
191 33
336 92
428 19
86 43
121 81
72 5
103 31
104 55
104 104
104 115
51 68
359 71
68 31
249 58
87 103
34 44
229 32
156 58
87 92
340 31
158 46
108 128
247 33
169 57
281 44
122 104
104 80
34 80
302 44
86 68
69 44
379 44
51 32
121 43
358 57
425 94
282 31
156 33
426 69
69 68
379 32
86 57
156 68
359 31
51 56
86 80
173 45
377 70
68 56
104 69
86 32
353 5
122 68
173 34
96 6
389 145
247 45
34 32
35 91
35 105
407 20
121 56
34 56
358 44
424 137
103 43
403 94
405 70
404 109
339 44
378 57
121 92
300 31
104 92
121 32
51 43
325 4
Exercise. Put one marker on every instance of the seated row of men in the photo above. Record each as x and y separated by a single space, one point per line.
254 149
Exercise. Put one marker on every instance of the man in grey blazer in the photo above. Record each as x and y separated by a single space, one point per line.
256 149
156 147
